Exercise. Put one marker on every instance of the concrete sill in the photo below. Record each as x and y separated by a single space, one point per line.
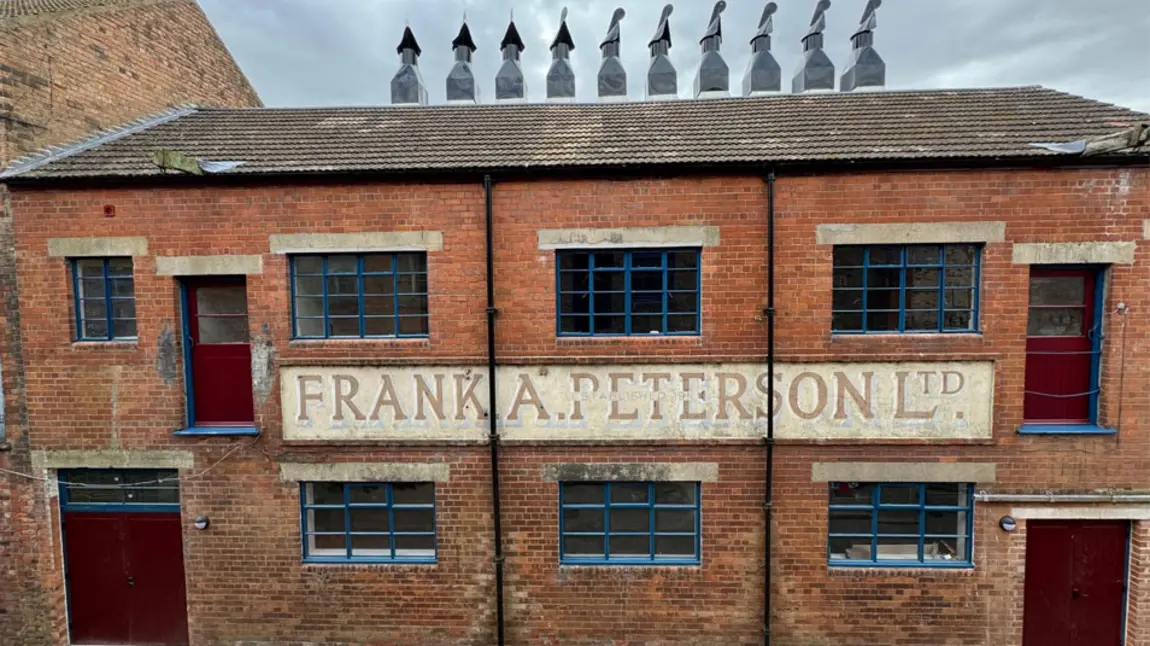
1065 429
201 431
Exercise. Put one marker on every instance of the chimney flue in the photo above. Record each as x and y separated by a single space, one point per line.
407 85
817 71
662 81
763 76
461 85
561 78
714 77
612 75
509 83
867 69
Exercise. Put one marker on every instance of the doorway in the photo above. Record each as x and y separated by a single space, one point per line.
1075 583
218 352
1062 347
123 555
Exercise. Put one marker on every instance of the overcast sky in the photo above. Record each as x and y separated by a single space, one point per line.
342 52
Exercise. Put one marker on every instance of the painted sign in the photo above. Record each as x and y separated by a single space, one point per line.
943 400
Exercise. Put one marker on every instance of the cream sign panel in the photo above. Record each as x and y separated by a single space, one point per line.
945 400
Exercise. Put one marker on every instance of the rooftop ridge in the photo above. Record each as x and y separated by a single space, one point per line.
21 10
55 153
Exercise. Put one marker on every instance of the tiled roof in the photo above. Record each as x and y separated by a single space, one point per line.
870 126
21 8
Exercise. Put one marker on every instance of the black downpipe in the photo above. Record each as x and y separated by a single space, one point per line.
492 414
768 504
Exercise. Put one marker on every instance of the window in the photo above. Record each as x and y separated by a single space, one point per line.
629 522
368 522
105 299
1063 347
920 288
366 295
628 292
900 524
104 489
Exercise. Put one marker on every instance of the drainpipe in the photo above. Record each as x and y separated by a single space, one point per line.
768 511
493 414
983 496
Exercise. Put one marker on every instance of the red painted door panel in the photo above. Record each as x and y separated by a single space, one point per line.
1075 583
155 558
98 593
1059 345
221 353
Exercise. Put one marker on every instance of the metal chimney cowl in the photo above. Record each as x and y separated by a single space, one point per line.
407 86
662 80
817 71
764 75
561 76
612 79
867 70
510 86
713 78
461 85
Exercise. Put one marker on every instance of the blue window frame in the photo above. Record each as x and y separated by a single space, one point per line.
104 299
359 295
131 490
625 293
629 523
913 288
900 524
368 522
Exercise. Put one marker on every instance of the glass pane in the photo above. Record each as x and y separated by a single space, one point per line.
308 286
325 493
848 278
898 548
415 545
575 303
92 288
847 493
882 321
1055 321
609 259
380 285
630 520
922 320
850 521
1057 290
623 546
848 299
945 522
849 548
343 305
647 324
124 329
309 307
413 520
674 520
958 320
848 256
371 545
372 494
577 281
96 329
413 305
580 493
920 299
686 303
328 545
325 520
647 259
919 277
124 308
675 546
899 495
946 495
155 495
923 255
94 477
119 266
221 300
413 493
961 254
369 519
629 492
960 299
883 278
675 493
344 327
584 546
94 309
223 330
959 277
411 262
582 520
342 286
898 521
90 268
647 303
609 281
885 256
123 287
377 263
646 281
307 265
574 260
379 305
683 260
846 321
946 549
413 325
341 264
90 495
678 280
683 323
575 324
610 324
412 283
309 327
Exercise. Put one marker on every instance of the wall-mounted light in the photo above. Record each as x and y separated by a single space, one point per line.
202 522
1007 523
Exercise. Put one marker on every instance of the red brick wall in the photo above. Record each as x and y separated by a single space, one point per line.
64 75
254 537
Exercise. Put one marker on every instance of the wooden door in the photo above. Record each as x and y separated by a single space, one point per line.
157 603
1060 346
1075 583
221 355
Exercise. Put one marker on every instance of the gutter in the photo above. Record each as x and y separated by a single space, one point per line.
492 414
983 496
768 502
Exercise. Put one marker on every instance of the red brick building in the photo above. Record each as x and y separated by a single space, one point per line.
260 392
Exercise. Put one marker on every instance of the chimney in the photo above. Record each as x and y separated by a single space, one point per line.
561 78
662 82
817 72
509 84
612 75
714 77
867 69
764 76
407 85
461 86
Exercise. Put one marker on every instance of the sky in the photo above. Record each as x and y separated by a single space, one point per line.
342 52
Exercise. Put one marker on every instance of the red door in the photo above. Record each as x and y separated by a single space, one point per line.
1060 346
125 578
221 355
1075 583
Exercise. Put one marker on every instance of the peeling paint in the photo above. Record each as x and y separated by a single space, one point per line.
263 365
167 356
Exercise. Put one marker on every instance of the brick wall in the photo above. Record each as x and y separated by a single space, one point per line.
126 395
64 75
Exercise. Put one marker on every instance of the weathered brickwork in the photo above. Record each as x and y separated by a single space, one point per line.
66 74
246 583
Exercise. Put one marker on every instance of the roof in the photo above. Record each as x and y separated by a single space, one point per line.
849 127
21 8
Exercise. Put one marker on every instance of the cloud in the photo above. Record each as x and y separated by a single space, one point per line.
342 52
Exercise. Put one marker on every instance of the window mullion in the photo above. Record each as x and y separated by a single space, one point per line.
326 318
590 293
627 293
667 295
108 298
903 253
651 518
359 294
347 518
865 291
389 496
942 289
922 523
874 522
607 522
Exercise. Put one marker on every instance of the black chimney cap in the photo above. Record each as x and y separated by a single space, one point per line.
464 39
408 42
512 38
564 35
